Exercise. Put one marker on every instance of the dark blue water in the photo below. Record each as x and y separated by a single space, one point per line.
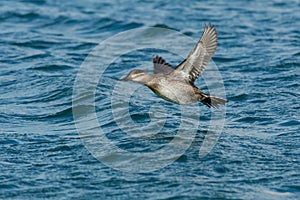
44 44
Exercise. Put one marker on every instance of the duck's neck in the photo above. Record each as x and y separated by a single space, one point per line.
144 79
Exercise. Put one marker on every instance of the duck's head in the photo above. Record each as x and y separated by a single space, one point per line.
136 75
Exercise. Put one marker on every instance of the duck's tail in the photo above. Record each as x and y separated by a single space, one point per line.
212 101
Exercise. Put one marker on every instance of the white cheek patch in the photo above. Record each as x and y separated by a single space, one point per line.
135 75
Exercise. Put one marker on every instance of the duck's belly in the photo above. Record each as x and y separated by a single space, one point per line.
174 91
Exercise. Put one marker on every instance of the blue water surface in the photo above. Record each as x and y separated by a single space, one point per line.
45 42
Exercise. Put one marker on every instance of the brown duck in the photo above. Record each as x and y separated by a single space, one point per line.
177 84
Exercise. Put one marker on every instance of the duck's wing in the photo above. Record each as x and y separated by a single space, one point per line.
161 66
199 57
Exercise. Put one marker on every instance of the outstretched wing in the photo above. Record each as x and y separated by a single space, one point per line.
199 57
161 66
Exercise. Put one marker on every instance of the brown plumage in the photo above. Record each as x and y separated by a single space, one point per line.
177 84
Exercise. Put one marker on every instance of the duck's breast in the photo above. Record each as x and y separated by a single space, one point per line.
174 91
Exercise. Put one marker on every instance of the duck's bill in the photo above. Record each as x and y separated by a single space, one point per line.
124 78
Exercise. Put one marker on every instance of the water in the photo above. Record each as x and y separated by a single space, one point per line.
44 44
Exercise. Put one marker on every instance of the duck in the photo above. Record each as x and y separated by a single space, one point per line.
177 85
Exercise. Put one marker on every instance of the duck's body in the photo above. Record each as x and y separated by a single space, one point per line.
173 90
177 85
